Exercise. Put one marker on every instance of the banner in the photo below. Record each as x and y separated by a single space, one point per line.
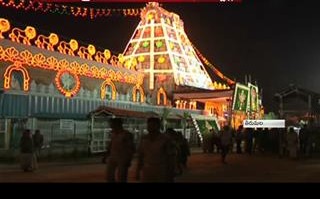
240 98
205 127
254 98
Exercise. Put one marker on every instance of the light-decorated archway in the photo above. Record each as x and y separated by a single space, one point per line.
161 95
108 82
137 89
8 76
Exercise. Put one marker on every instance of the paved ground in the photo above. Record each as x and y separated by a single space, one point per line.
202 168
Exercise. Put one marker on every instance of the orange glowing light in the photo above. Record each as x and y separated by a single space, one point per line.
8 76
4 26
103 89
51 63
135 89
67 88
23 36
47 42
161 94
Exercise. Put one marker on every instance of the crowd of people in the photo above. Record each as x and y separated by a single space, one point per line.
163 156
160 156
285 142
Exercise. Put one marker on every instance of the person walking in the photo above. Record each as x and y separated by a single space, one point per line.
156 155
27 160
239 135
37 139
226 141
120 152
292 140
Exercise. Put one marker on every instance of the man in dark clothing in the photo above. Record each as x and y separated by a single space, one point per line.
226 142
185 151
239 138
28 162
156 155
120 152
37 142
249 139
302 139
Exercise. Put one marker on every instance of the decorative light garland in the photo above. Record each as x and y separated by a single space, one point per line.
162 92
44 7
137 88
16 67
29 36
28 59
108 82
215 70
59 83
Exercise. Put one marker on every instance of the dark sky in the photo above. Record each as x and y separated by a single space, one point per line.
276 41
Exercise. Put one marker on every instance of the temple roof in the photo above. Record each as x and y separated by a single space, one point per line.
160 45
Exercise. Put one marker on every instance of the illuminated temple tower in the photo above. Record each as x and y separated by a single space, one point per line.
161 49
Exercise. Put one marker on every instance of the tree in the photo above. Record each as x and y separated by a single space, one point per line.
270 116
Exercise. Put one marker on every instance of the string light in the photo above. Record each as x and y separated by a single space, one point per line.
29 5
215 70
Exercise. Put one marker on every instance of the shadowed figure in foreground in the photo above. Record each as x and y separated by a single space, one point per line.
120 152
156 155
226 142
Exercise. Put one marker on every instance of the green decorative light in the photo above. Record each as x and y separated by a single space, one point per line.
145 44
176 59
159 44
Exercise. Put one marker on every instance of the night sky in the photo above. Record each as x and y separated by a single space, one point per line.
276 41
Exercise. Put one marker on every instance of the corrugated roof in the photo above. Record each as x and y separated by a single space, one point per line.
122 112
